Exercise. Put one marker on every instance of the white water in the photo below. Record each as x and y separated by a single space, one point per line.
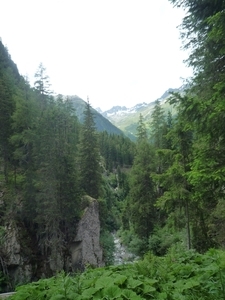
121 254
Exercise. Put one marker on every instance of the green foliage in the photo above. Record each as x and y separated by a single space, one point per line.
163 238
133 243
107 243
158 126
116 150
42 84
201 112
89 158
7 104
142 196
141 130
175 184
109 206
178 275
48 160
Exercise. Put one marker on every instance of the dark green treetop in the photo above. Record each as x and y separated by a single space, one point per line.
89 156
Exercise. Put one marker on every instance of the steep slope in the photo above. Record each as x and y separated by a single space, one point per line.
102 123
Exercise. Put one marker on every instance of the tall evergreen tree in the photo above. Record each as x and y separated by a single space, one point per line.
203 34
141 130
56 174
176 188
142 195
9 76
158 126
89 156
42 84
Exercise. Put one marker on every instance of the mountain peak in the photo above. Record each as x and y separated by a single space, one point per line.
121 110
127 119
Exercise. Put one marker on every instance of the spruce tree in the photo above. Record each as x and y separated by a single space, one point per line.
203 34
9 77
89 156
142 195
42 84
158 126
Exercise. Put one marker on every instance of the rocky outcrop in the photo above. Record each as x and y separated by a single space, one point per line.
21 257
17 264
86 249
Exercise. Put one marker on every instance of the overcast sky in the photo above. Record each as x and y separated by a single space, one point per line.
117 52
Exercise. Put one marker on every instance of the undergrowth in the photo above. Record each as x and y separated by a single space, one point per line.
178 276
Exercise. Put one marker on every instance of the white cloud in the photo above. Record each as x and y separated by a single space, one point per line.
115 51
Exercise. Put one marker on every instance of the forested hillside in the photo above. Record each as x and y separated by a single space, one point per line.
177 179
164 194
48 162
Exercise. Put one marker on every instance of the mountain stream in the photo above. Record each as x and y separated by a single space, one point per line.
121 254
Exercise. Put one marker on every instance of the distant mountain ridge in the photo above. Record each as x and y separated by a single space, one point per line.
123 110
126 119
121 119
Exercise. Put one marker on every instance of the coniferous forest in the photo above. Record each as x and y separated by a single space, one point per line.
164 194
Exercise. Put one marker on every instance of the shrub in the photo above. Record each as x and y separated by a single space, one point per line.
183 275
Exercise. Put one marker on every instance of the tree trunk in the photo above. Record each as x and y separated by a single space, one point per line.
188 225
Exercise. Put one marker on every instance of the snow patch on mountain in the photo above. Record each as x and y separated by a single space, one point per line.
123 110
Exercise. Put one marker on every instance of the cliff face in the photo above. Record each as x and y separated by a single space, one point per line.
85 248
23 263
16 263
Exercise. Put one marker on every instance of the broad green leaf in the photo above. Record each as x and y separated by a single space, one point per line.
147 289
179 296
113 292
190 284
150 281
133 283
162 296
130 295
120 279
103 282
87 294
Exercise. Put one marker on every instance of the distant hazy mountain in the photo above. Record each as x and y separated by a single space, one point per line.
102 123
120 119
126 119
